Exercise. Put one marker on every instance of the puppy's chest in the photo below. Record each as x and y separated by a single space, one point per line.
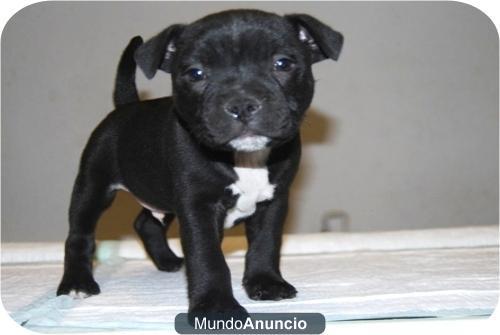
252 186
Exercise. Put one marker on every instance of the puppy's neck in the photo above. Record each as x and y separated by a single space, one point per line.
251 159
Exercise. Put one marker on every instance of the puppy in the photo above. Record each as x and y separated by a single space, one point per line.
223 149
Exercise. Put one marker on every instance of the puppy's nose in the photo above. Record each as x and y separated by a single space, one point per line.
242 108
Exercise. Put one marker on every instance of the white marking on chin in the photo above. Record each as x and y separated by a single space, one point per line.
249 143
252 185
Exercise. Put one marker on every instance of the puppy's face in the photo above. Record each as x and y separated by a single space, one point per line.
242 80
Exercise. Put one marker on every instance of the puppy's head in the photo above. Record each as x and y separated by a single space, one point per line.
242 79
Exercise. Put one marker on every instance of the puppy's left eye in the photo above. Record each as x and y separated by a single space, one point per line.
284 64
195 74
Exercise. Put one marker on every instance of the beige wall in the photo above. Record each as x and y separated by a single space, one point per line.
402 133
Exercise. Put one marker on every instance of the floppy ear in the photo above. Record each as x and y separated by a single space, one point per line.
158 52
322 41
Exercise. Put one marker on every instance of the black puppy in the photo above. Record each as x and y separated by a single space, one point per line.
223 149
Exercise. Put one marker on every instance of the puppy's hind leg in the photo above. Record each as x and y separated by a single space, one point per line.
91 196
153 235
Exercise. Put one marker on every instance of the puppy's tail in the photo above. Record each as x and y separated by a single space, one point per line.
125 88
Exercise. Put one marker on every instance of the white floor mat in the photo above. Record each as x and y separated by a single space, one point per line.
383 280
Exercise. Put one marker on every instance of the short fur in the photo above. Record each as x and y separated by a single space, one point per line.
174 153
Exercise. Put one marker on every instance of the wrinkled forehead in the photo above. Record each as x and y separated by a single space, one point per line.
237 40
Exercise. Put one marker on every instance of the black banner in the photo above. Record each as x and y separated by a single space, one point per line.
253 323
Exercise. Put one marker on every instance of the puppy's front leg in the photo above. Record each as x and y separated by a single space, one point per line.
209 279
262 279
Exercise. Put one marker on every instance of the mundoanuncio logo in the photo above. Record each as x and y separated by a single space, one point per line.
254 323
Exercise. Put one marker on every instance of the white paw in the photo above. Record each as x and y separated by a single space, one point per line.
78 294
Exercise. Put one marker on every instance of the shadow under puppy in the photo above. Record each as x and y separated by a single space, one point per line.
223 149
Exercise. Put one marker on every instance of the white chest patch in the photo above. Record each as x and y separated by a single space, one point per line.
252 187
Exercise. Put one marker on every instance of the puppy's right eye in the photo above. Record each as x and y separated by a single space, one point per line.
195 74
283 64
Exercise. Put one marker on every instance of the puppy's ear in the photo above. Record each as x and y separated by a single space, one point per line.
322 41
158 52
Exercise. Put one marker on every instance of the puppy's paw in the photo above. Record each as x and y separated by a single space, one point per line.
217 309
169 264
263 287
78 286
213 303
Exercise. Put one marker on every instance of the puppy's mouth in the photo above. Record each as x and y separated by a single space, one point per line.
249 142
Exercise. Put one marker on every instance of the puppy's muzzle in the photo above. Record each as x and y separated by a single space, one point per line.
243 109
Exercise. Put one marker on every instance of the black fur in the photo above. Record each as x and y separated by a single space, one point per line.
174 154
125 89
